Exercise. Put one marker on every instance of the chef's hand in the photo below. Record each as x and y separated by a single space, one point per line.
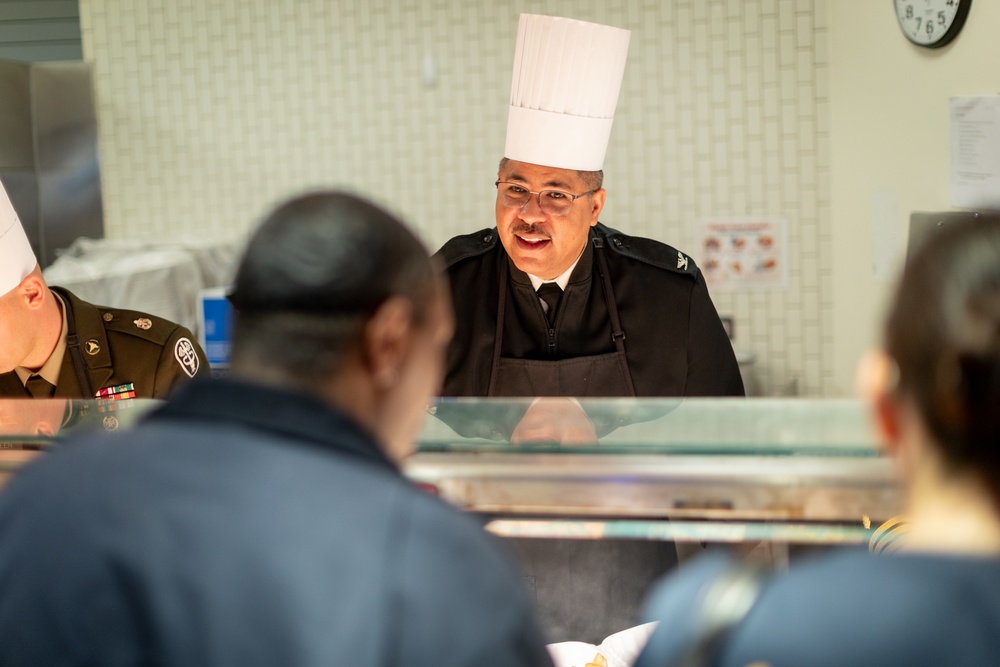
557 420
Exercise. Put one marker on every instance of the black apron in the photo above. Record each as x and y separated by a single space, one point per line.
594 375
584 590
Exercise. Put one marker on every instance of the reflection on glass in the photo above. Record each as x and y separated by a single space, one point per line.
32 419
25 427
28 426
646 425
560 421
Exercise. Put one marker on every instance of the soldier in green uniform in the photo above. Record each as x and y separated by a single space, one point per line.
54 344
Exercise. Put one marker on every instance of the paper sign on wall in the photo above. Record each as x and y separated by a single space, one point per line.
975 152
744 253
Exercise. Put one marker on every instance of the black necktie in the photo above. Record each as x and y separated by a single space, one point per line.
39 387
550 293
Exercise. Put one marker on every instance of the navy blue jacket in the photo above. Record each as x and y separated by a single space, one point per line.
846 608
244 526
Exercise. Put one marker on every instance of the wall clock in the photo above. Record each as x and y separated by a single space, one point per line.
931 23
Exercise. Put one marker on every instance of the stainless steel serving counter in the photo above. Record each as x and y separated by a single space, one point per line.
707 470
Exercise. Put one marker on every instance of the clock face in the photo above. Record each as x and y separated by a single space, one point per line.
931 23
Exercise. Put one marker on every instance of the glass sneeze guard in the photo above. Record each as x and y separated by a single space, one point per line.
813 427
789 470
685 469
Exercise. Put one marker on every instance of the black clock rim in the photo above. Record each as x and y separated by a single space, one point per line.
950 34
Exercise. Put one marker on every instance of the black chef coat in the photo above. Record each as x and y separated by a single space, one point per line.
674 345
674 341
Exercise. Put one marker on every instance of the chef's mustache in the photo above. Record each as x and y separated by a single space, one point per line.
525 228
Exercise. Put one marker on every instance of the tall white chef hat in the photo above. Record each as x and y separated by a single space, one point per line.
567 76
17 259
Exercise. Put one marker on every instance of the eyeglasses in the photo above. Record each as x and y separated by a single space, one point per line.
552 202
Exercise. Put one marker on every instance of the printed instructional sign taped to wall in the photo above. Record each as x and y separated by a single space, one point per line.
975 152
744 253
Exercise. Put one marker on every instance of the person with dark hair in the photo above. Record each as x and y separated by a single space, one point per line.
54 344
551 302
932 595
261 519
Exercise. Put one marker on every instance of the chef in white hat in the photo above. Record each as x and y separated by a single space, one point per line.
56 345
551 302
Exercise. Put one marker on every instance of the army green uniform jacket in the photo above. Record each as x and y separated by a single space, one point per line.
121 347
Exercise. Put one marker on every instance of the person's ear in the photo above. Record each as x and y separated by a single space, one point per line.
597 206
33 291
387 341
878 376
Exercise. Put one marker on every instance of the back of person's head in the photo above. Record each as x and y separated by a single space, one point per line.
314 271
943 331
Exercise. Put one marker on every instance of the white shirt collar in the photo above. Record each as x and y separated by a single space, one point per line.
562 279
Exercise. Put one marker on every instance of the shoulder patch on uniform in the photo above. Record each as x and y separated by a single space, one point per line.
648 251
465 246
187 356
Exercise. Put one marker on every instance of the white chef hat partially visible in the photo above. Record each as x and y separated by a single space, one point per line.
17 259
564 90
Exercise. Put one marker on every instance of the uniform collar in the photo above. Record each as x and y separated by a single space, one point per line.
285 414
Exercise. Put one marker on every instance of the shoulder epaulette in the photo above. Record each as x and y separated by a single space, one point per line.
647 251
465 246
142 325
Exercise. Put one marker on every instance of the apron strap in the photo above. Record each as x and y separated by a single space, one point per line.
73 347
498 336
617 334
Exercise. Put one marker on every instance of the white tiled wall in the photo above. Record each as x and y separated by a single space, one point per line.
212 110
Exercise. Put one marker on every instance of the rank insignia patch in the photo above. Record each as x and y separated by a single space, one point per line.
186 356
144 323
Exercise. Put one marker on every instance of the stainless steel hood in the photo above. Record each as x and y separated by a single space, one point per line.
48 152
